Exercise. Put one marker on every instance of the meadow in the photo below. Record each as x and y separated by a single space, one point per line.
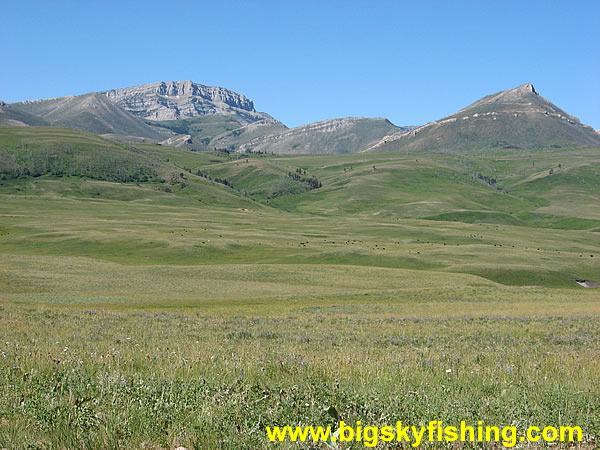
405 288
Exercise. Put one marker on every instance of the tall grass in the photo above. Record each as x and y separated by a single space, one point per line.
87 378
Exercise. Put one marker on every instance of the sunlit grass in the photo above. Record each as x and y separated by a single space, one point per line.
135 317
82 378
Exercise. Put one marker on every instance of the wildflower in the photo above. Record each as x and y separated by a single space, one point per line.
448 370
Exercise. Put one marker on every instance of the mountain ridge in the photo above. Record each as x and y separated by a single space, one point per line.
173 100
193 116
338 135
523 119
92 113
131 113
11 117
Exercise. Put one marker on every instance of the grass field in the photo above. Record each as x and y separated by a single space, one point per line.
406 288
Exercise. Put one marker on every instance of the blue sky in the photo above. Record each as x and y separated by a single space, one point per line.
305 61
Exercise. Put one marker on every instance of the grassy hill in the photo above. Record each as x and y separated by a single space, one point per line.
514 186
380 210
60 162
34 152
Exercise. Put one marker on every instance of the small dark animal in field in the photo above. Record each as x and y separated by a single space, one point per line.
587 283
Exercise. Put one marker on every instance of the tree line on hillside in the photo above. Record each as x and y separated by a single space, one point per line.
223 181
488 180
300 175
298 181
66 160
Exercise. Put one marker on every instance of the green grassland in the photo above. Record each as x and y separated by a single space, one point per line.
175 310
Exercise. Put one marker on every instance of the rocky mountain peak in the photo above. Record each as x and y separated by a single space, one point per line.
526 88
521 99
525 93
172 100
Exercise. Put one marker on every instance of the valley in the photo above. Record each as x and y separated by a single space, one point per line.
151 296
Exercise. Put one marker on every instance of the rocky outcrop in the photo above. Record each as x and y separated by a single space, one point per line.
587 284
175 100
178 141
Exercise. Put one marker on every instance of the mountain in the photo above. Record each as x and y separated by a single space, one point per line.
190 115
12 117
516 118
180 113
93 113
348 135
176 100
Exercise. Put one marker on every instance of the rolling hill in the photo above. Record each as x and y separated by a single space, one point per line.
32 152
549 188
519 218
516 118
63 162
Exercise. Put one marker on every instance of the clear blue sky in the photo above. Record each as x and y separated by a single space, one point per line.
304 61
